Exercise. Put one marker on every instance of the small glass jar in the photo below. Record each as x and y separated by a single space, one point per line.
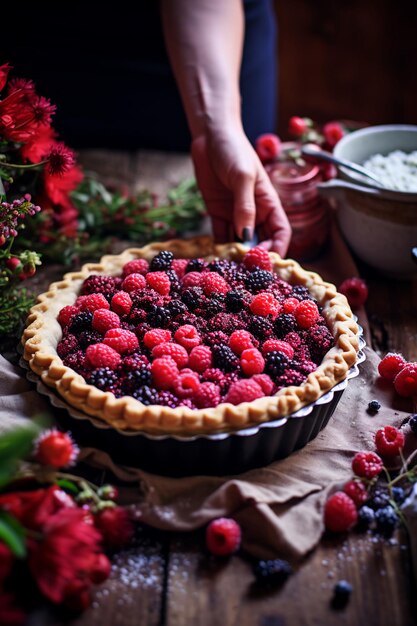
307 212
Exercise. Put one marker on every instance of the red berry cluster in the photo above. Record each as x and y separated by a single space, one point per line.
193 333
395 368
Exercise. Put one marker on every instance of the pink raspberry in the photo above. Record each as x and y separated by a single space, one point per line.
244 390
156 336
367 464
178 353
355 290
134 282
223 536
241 340
187 336
405 382
356 490
159 281
192 279
123 341
207 395
92 302
306 313
333 133
268 147
252 362
186 383
101 355
200 359
137 266
179 265
214 283
293 339
389 441
290 304
164 372
391 365
121 303
257 259
65 314
265 304
265 383
277 345
104 320
340 513
297 126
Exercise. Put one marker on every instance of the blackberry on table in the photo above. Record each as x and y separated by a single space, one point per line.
158 316
259 280
366 518
224 358
276 363
103 377
81 321
137 378
398 494
261 327
373 407
161 262
341 594
146 395
386 521
192 297
284 324
195 265
378 499
272 572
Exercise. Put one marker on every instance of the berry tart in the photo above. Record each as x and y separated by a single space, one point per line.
189 337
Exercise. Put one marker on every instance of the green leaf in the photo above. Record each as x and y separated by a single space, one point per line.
67 485
13 534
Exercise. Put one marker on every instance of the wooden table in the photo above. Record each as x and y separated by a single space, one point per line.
167 579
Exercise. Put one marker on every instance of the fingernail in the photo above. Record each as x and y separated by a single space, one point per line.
246 234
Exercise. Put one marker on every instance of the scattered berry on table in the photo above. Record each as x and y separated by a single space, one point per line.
366 518
223 536
367 464
340 514
378 498
272 572
389 441
412 422
386 521
373 407
356 490
341 594
161 261
405 382
333 133
355 290
391 365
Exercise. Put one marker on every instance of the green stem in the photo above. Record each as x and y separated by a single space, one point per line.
20 166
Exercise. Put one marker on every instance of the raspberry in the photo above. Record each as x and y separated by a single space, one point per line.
275 363
101 355
257 258
252 362
159 281
174 350
214 283
104 378
134 282
265 304
265 383
137 266
389 441
355 290
55 449
224 358
158 316
340 513
156 336
293 339
244 390
241 340
187 336
179 265
161 261
67 345
121 303
207 395
268 147
123 341
81 321
305 367
356 490
98 284
192 279
367 464
297 126
164 372
226 322
306 314
290 377
277 345
66 314
284 324
333 132
259 280
200 358
391 365
215 338
405 382
92 302
186 384
272 572
146 395
76 361
223 536
104 320
290 304
261 327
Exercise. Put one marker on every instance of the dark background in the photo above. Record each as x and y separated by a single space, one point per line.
338 59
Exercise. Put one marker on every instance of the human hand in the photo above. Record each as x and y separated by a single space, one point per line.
237 191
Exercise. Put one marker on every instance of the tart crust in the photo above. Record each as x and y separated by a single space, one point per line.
43 332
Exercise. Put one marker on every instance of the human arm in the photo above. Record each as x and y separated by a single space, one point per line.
204 40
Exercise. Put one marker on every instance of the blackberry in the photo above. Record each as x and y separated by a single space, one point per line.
261 327
80 322
195 265
166 398
145 299
373 407
192 297
158 316
259 280
89 337
412 422
226 322
319 340
301 293
398 494
224 358
379 499
276 363
215 304
136 378
290 377
104 378
236 278
219 265
341 594
175 283
161 262
176 307
146 395
272 572
215 338
366 518
133 361
284 324
386 521
235 300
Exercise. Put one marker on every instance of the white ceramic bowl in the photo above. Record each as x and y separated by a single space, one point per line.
379 225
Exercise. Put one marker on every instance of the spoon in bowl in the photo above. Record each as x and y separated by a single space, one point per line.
313 151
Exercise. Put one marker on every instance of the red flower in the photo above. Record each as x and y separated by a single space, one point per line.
116 526
34 508
20 84
55 449
43 110
60 159
6 562
4 71
17 116
39 145
66 553
10 615
58 188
